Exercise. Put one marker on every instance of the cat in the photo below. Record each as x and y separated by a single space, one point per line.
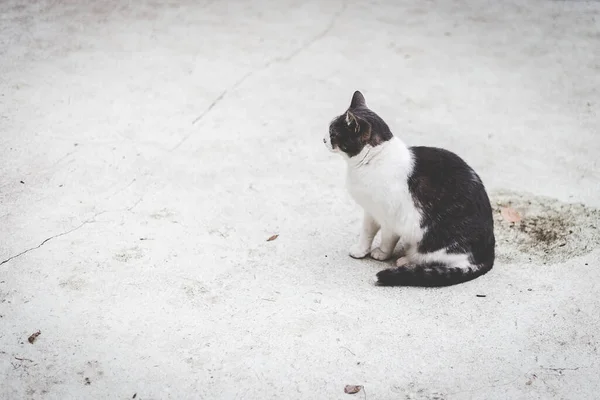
427 199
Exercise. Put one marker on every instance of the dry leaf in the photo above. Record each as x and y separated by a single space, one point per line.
272 238
352 389
34 336
510 214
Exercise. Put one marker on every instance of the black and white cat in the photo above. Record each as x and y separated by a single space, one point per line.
426 198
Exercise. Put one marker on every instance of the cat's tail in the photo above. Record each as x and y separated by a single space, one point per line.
431 274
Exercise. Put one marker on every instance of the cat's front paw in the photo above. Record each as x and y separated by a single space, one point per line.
380 255
358 251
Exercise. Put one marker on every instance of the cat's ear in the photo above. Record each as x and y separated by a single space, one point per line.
352 121
359 126
358 100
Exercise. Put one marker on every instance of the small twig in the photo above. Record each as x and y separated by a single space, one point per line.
343 347
267 299
23 359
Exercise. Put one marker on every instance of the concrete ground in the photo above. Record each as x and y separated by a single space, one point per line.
150 149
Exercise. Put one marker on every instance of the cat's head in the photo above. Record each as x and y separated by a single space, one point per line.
357 128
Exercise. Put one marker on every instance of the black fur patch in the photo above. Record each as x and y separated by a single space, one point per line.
457 216
357 127
456 209
427 275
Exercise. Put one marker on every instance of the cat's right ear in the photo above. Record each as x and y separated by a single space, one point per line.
359 126
358 100
352 122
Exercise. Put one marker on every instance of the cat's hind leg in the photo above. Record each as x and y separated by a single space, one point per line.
365 240
402 261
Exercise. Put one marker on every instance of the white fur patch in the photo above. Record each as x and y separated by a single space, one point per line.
459 260
377 179
401 262
379 254
359 251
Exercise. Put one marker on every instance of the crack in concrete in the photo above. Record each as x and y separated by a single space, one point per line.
43 243
122 189
89 221
211 106
312 41
134 204
275 60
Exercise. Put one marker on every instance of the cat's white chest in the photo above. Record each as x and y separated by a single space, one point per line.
380 187
378 190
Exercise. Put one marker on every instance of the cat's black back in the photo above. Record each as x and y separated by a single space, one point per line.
456 210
